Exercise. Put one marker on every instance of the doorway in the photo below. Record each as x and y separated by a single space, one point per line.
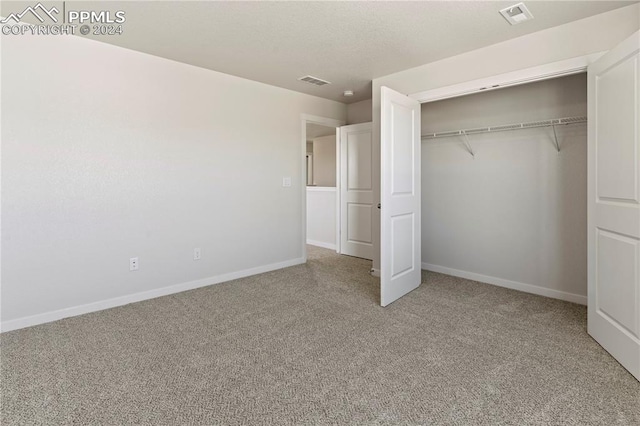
318 224
338 195
321 190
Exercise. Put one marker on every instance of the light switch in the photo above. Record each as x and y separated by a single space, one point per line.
286 182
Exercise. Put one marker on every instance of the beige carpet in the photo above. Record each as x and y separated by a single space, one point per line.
310 345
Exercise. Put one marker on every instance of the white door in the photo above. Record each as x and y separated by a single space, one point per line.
356 190
614 203
400 265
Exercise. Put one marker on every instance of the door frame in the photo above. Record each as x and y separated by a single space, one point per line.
304 120
548 71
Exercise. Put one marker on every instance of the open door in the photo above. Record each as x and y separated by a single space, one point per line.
400 264
614 203
356 190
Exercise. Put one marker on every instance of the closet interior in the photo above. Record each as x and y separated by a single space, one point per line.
504 187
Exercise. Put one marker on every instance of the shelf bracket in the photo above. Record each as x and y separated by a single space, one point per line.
555 137
467 143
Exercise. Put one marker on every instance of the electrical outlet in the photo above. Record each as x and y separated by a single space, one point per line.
133 264
196 254
286 182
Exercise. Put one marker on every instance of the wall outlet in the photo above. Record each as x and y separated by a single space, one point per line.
196 254
133 264
286 182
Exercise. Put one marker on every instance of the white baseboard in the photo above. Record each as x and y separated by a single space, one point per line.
514 285
138 297
321 244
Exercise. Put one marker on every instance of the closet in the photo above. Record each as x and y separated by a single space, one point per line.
504 187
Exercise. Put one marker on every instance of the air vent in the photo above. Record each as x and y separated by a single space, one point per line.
313 80
516 14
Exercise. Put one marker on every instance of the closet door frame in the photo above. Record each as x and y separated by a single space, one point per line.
515 78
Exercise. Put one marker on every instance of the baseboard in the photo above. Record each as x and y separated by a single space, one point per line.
513 285
138 297
321 244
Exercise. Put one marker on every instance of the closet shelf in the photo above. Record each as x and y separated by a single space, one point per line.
543 123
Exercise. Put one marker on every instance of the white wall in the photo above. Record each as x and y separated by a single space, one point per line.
515 215
321 217
324 161
591 35
359 112
109 154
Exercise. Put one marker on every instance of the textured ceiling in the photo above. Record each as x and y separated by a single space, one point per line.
346 43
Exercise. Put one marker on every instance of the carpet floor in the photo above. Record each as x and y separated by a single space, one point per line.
310 345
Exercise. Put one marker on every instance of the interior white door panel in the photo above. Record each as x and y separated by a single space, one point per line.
614 203
400 261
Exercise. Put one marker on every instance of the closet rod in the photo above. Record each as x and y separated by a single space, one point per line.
543 123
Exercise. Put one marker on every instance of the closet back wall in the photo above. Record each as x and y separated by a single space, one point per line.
516 215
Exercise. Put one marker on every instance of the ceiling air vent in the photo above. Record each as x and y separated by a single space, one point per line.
516 14
313 80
